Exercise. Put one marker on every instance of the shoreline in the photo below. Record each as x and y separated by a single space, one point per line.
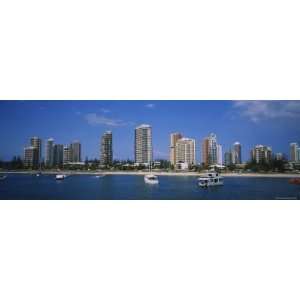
159 173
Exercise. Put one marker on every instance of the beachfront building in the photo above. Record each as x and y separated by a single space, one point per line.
143 144
36 142
279 156
67 156
31 159
228 158
261 154
185 151
49 155
294 152
58 155
204 151
209 150
174 137
237 153
75 150
219 155
106 150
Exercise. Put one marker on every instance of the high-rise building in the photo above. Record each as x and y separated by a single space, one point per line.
58 155
143 144
75 149
106 155
67 155
209 150
49 157
298 154
237 153
261 154
279 156
37 143
212 149
228 158
31 159
174 137
204 152
219 155
185 151
293 151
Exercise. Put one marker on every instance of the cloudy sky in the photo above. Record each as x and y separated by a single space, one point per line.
274 123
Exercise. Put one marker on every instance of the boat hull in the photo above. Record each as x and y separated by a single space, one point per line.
210 184
151 179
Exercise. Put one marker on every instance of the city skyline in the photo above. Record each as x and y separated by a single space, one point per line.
272 123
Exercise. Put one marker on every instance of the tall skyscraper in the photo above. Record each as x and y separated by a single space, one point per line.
58 155
204 152
106 155
209 150
261 154
228 158
219 155
31 159
75 150
174 137
49 157
67 155
237 153
293 151
185 151
143 144
37 143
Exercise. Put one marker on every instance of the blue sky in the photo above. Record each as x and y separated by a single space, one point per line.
273 123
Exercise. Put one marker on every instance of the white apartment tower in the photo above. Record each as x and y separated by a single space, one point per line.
219 155
185 151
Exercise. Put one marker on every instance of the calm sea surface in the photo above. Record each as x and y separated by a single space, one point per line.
21 186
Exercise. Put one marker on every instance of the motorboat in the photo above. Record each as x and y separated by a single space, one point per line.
210 179
2 177
151 179
60 176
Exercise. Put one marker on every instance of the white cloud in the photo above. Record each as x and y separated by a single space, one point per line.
262 110
104 110
150 105
94 119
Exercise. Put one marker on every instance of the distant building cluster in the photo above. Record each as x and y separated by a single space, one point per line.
182 151
56 155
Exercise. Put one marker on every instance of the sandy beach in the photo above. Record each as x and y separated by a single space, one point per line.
159 173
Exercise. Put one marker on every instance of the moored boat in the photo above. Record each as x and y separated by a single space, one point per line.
210 179
150 178
2 177
60 176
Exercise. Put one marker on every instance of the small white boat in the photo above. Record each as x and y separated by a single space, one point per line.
151 179
60 176
210 179
2 177
99 176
